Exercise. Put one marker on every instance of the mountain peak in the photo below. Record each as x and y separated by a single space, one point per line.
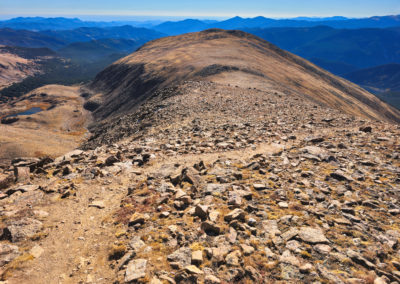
224 56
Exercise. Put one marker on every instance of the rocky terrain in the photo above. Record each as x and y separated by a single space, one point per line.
209 181
273 189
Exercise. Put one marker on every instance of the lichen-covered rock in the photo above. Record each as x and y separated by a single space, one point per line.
312 235
22 229
182 256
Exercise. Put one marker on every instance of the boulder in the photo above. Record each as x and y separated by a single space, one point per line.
36 251
197 257
136 243
22 188
210 228
236 214
183 256
22 174
312 235
201 211
233 259
21 229
366 129
111 160
247 250
137 218
136 269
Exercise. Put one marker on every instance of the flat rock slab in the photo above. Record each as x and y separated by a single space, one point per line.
136 269
312 235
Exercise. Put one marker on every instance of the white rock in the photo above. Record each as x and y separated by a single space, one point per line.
136 269
197 257
36 251
283 204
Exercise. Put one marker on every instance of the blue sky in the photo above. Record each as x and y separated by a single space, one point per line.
200 8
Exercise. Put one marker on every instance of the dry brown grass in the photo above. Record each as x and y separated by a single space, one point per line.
257 64
14 69
47 133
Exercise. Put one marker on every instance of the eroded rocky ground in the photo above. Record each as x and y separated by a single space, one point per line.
210 183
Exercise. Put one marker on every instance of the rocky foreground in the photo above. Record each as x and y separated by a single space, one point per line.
210 183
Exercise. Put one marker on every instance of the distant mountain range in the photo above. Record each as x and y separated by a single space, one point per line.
319 19
181 27
384 77
31 39
174 28
340 45
88 34
57 39
190 25
338 50
60 23
383 81
97 49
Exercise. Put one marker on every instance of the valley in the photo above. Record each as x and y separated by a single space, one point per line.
59 127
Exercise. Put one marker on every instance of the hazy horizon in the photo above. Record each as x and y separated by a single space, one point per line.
177 9
152 18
